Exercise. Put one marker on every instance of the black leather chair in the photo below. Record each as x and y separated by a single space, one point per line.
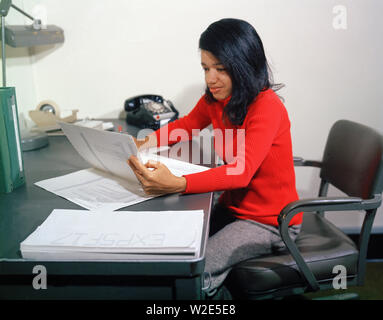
352 162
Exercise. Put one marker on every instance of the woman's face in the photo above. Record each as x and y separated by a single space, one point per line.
216 77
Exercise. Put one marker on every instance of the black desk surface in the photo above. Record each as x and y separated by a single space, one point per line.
23 210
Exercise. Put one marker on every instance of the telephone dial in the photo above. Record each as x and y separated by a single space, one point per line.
149 111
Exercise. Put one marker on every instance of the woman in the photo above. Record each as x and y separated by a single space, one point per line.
239 98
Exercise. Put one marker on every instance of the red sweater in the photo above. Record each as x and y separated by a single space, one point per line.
259 179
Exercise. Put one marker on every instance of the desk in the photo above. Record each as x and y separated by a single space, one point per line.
28 206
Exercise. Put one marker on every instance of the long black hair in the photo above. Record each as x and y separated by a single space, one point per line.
237 45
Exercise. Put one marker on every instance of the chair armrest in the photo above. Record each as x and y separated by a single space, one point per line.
300 162
328 204
317 204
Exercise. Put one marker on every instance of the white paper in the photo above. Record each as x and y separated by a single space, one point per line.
177 167
111 183
123 235
104 150
95 190
100 256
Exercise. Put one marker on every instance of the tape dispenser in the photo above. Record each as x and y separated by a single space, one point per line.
47 114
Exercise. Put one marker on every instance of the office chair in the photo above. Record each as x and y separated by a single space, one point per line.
352 162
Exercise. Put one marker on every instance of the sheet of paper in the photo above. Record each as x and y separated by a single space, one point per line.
157 149
95 190
123 235
177 167
104 150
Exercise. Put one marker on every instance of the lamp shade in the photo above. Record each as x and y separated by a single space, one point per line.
27 36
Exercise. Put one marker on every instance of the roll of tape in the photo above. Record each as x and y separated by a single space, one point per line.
49 106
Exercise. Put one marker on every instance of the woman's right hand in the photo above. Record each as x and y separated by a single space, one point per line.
149 141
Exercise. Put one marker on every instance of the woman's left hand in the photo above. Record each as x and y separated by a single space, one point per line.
157 181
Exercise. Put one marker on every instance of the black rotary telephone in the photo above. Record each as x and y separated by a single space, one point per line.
149 111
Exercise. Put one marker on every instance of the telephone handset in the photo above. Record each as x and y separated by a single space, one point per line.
149 111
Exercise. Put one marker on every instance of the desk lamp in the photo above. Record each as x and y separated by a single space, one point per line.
11 160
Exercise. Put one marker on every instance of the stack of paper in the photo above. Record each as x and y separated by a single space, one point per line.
123 235
110 184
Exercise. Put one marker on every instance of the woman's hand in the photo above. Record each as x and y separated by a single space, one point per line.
157 181
149 142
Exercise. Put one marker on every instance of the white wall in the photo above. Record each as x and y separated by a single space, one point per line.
116 49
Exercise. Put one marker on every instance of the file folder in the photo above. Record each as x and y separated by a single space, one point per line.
11 160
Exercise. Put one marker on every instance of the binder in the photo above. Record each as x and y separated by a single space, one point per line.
11 160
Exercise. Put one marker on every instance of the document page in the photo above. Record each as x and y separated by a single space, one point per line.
96 190
104 150
177 167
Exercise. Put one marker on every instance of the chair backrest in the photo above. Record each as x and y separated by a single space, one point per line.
352 159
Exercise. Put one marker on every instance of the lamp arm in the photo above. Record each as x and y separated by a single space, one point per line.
22 12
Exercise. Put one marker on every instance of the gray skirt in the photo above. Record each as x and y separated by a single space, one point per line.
233 240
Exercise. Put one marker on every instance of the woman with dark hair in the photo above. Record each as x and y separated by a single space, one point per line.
259 180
